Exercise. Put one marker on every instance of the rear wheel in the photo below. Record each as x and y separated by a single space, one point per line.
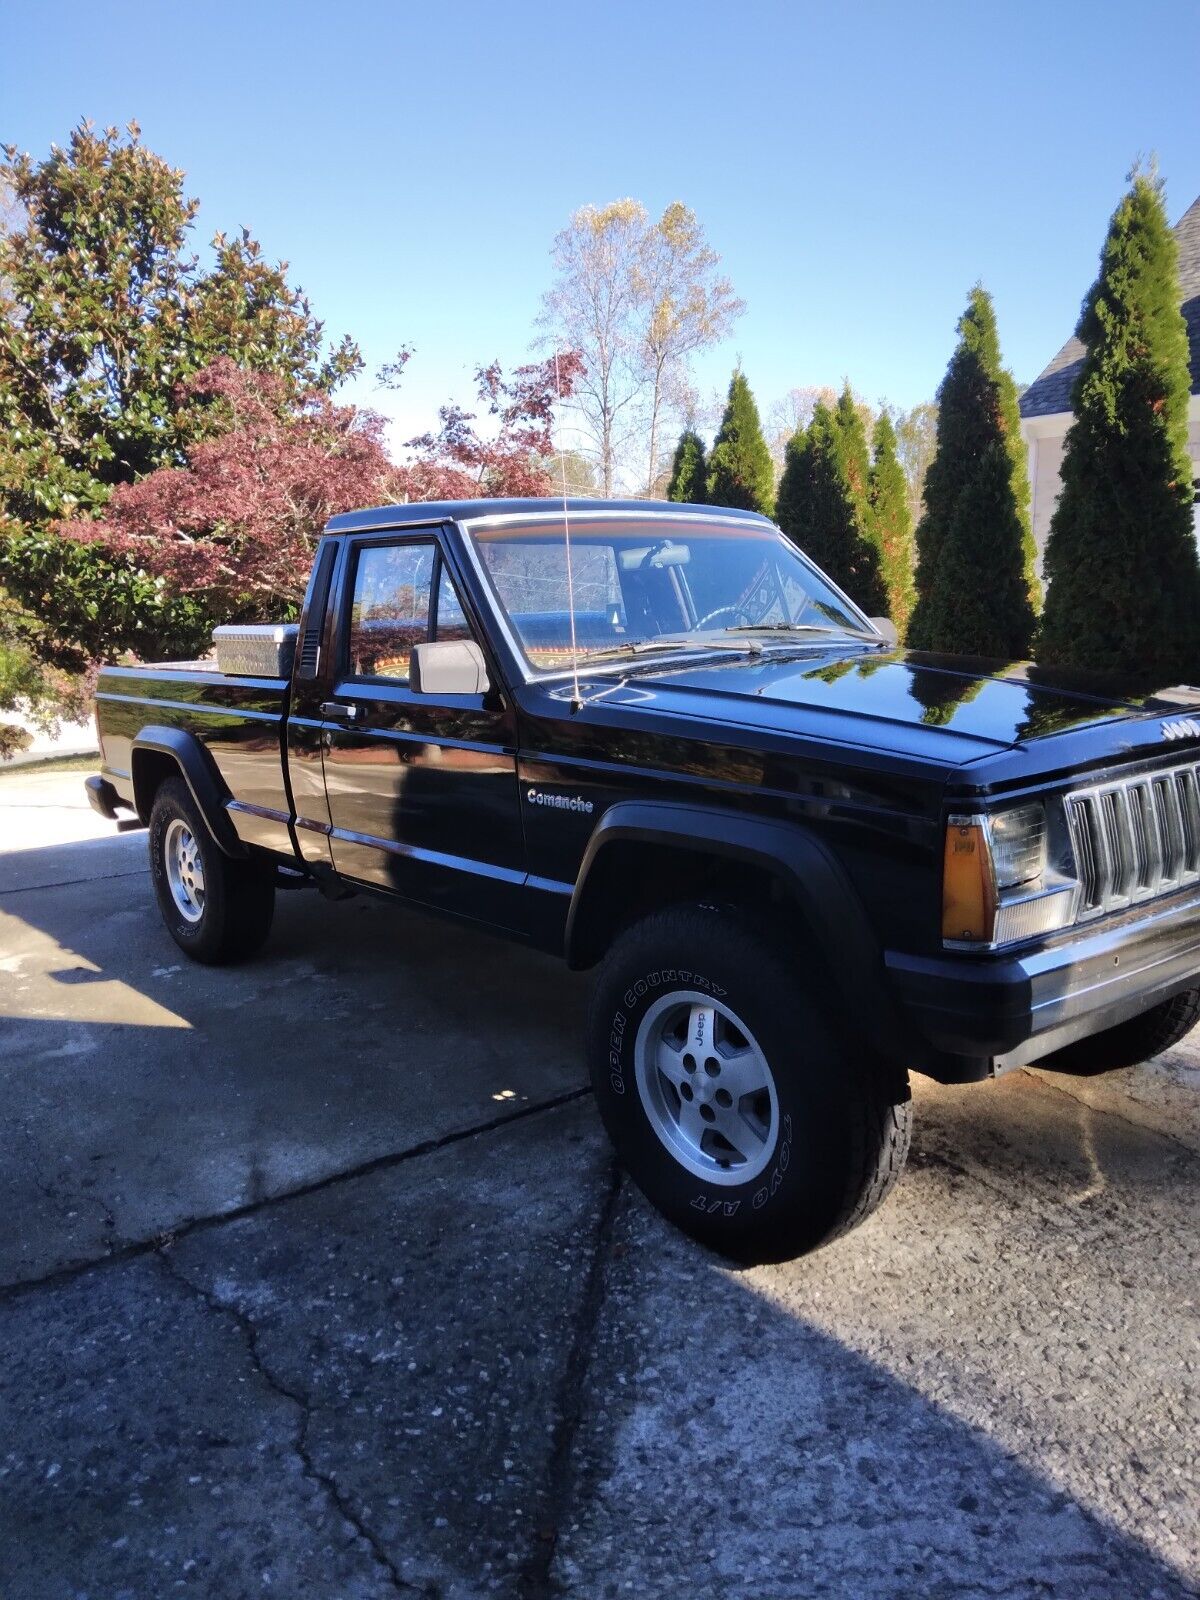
1132 1042
731 1100
215 908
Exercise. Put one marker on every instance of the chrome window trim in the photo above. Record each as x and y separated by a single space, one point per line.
656 508
390 525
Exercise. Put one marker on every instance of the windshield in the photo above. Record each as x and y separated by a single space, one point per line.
655 582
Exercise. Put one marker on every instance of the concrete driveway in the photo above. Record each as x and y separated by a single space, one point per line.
318 1281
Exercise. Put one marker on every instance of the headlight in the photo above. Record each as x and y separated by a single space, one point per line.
1018 845
1002 881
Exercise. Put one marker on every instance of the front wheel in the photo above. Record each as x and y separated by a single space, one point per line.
731 1101
216 909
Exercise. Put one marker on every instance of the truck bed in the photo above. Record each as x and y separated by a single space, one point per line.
240 721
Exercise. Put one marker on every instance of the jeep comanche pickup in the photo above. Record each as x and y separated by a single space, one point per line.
804 860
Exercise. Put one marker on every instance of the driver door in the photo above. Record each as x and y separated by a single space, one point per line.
422 789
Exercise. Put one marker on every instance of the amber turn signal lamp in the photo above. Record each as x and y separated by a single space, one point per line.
968 884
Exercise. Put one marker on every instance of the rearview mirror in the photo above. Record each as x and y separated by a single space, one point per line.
662 554
448 666
886 627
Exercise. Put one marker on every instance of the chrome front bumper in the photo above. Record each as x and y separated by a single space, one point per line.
1004 1011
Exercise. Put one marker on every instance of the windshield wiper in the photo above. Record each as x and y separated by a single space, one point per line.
794 627
645 647
638 648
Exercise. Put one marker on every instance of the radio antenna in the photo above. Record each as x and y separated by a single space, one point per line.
576 702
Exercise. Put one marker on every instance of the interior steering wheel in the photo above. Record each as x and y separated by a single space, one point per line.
725 611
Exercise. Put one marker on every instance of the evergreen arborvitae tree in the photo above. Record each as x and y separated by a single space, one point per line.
980 454
855 455
688 470
992 617
889 524
1124 581
740 472
941 694
818 511
792 499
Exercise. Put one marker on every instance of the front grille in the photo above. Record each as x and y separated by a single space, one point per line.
1137 838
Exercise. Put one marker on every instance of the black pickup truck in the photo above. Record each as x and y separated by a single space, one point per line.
657 739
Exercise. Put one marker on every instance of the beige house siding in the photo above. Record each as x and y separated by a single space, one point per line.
1045 465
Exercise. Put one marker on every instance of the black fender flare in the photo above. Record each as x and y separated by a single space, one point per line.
809 873
198 771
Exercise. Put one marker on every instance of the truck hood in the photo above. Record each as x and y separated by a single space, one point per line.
959 708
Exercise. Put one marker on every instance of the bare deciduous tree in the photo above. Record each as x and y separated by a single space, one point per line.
916 443
792 415
685 307
592 307
638 299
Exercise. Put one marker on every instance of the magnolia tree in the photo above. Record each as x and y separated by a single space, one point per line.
235 526
106 311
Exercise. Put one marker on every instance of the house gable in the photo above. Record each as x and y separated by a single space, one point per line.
1050 393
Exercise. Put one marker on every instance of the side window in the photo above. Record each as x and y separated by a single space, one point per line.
451 622
389 612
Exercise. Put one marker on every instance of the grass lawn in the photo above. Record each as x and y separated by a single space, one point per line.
79 763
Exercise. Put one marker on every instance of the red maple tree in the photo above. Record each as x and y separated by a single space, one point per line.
238 522
515 459
236 525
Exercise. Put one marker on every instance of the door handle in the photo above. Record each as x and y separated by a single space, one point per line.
337 711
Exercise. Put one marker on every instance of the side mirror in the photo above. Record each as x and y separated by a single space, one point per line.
887 628
448 666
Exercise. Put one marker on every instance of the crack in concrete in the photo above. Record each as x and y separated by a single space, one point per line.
1111 1111
69 883
132 1250
113 1242
536 1580
325 1481
46 1190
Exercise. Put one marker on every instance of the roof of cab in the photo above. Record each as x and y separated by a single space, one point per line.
425 511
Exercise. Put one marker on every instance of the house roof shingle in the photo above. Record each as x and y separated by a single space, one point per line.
1050 393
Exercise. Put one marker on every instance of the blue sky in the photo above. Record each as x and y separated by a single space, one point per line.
858 166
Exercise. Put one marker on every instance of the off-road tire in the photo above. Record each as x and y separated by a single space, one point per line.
1132 1042
844 1121
239 897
